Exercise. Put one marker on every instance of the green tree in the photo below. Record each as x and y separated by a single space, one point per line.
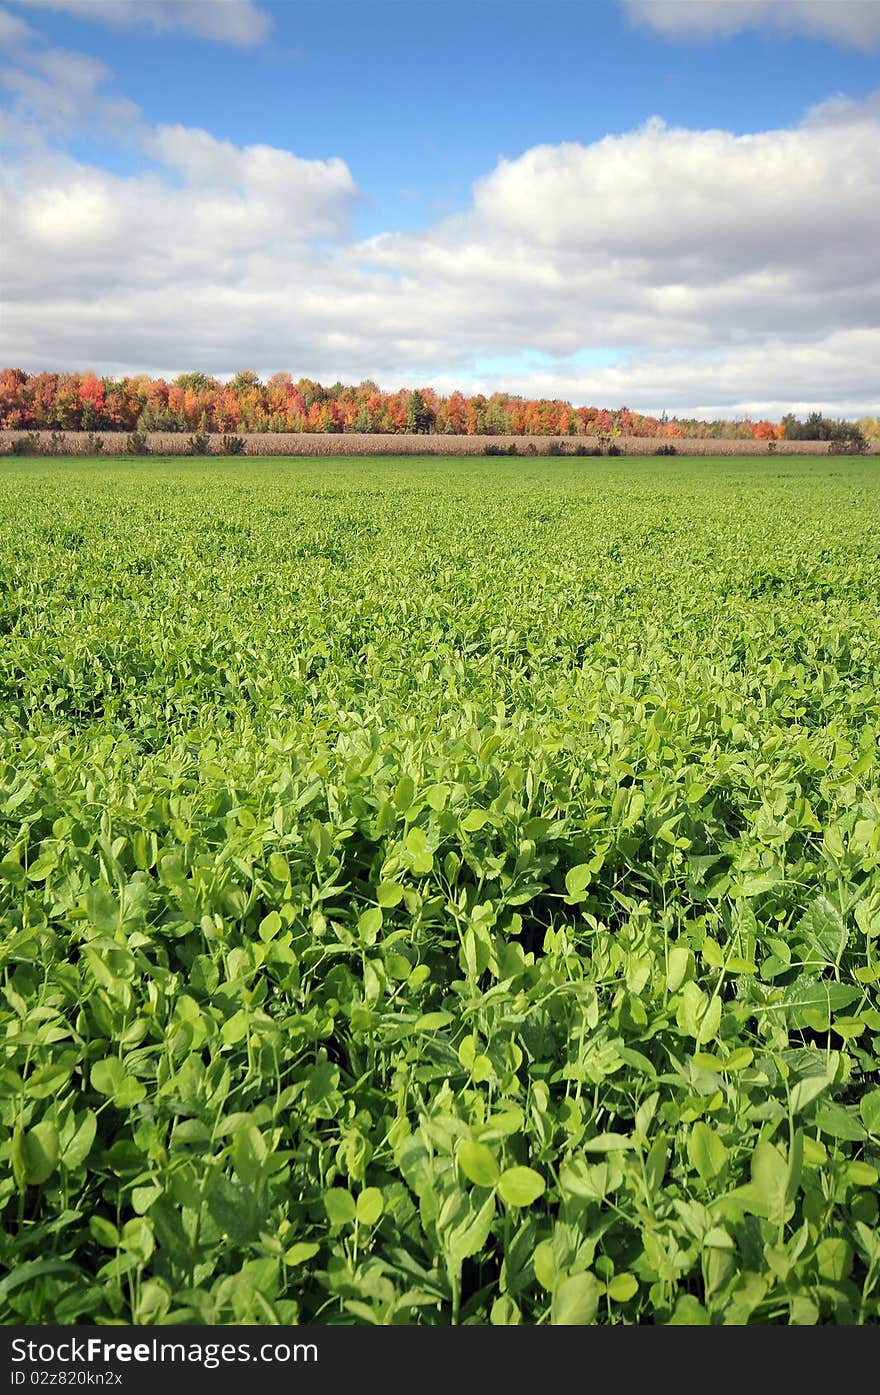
419 417
195 382
244 382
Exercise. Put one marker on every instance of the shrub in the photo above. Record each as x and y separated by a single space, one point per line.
848 439
233 445
25 445
556 448
588 450
137 444
199 444
614 450
665 449
94 444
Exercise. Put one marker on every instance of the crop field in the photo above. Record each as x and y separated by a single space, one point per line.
440 891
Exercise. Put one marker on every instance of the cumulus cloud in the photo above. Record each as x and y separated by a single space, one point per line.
833 374
312 197
238 22
75 232
664 235
62 90
730 274
13 31
54 91
853 23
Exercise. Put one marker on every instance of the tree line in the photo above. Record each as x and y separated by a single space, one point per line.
195 402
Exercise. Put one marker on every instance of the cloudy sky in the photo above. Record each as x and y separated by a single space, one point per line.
668 204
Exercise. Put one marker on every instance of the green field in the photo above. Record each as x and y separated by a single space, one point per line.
440 891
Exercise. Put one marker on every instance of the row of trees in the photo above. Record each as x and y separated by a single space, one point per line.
194 402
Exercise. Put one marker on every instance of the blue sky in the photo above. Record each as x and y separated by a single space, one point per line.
483 194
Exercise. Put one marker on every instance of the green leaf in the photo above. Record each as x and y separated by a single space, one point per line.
740 1059
544 1263
504 1312
577 879
478 1163
869 1109
299 1253
390 894
235 1028
622 1287
248 1154
575 1301
770 1179
689 1312
693 1007
711 1021
80 1145
35 1153
340 1206
369 925
34 1269
370 1205
520 1186
706 1151
432 1021
834 1258
104 1232
279 868
49 1079
12 871
821 927
137 1238
269 926
107 1075
807 1090
678 961
838 1122
404 794
607 1143
103 909
468 1234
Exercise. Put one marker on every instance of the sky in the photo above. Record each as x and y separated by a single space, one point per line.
672 205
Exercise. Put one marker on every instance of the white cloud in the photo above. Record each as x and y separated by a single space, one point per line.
730 273
238 22
312 197
853 23
833 374
62 90
54 91
13 31
76 234
665 236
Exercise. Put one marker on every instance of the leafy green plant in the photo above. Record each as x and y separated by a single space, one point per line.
449 914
